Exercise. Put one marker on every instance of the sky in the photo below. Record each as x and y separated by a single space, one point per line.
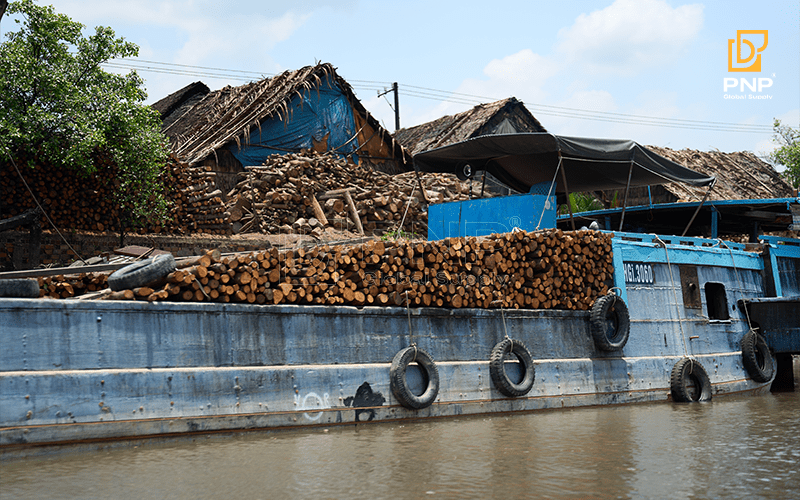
653 71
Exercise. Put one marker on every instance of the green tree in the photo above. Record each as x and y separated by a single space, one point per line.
57 105
788 152
581 202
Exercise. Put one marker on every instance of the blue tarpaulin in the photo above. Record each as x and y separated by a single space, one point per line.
320 112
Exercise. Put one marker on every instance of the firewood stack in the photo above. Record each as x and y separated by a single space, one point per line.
547 269
196 202
74 201
71 285
70 200
288 191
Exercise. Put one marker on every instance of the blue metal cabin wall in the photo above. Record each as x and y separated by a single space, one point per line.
657 309
784 255
486 216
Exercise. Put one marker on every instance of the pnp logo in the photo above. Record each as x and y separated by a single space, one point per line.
744 56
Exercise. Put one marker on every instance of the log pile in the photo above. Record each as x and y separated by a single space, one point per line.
288 191
547 269
196 203
71 285
70 200
73 201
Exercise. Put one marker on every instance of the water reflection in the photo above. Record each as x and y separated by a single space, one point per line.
728 448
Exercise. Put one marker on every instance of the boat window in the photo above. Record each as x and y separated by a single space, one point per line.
716 301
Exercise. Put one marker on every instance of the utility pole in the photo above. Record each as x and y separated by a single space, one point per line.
396 107
396 104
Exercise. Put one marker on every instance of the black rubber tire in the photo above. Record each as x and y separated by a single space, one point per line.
610 323
757 359
689 382
19 288
498 372
397 378
464 171
141 273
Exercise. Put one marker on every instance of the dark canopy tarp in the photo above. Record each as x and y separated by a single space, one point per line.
523 160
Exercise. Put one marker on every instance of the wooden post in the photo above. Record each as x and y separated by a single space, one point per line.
318 211
625 200
354 212
566 190
698 208
419 181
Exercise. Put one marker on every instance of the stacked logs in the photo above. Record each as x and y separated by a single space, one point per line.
71 285
196 203
541 270
74 201
70 200
272 198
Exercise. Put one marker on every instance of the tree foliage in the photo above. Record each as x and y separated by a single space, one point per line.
788 152
58 105
581 202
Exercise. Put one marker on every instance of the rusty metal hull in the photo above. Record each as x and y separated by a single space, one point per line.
91 371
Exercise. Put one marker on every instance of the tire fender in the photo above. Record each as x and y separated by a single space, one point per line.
20 288
399 384
610 323
141 273
756 358
689 382
498 372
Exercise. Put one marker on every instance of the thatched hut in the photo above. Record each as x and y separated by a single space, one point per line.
310 108
740 175
507 116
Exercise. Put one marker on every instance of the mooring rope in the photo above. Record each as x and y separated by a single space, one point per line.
550 190
674 293
738 281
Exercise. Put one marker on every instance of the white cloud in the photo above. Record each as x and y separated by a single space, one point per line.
202 29
521 75
629 35
239 37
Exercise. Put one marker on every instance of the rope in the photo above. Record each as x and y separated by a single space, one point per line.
738 281
408 205
550 190
674 293
40 206
410 333
505 329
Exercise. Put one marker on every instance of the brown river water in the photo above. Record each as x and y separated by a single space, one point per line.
736 447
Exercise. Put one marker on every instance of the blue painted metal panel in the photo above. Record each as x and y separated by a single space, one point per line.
161 368
694 204
644 248
779 322
783 247
491 215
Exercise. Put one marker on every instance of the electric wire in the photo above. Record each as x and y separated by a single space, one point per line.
8 153
429 93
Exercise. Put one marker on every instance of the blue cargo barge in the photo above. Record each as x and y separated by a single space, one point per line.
95 371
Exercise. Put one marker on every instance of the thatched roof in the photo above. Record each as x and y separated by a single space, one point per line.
229 115
504 116
739 175
176 104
